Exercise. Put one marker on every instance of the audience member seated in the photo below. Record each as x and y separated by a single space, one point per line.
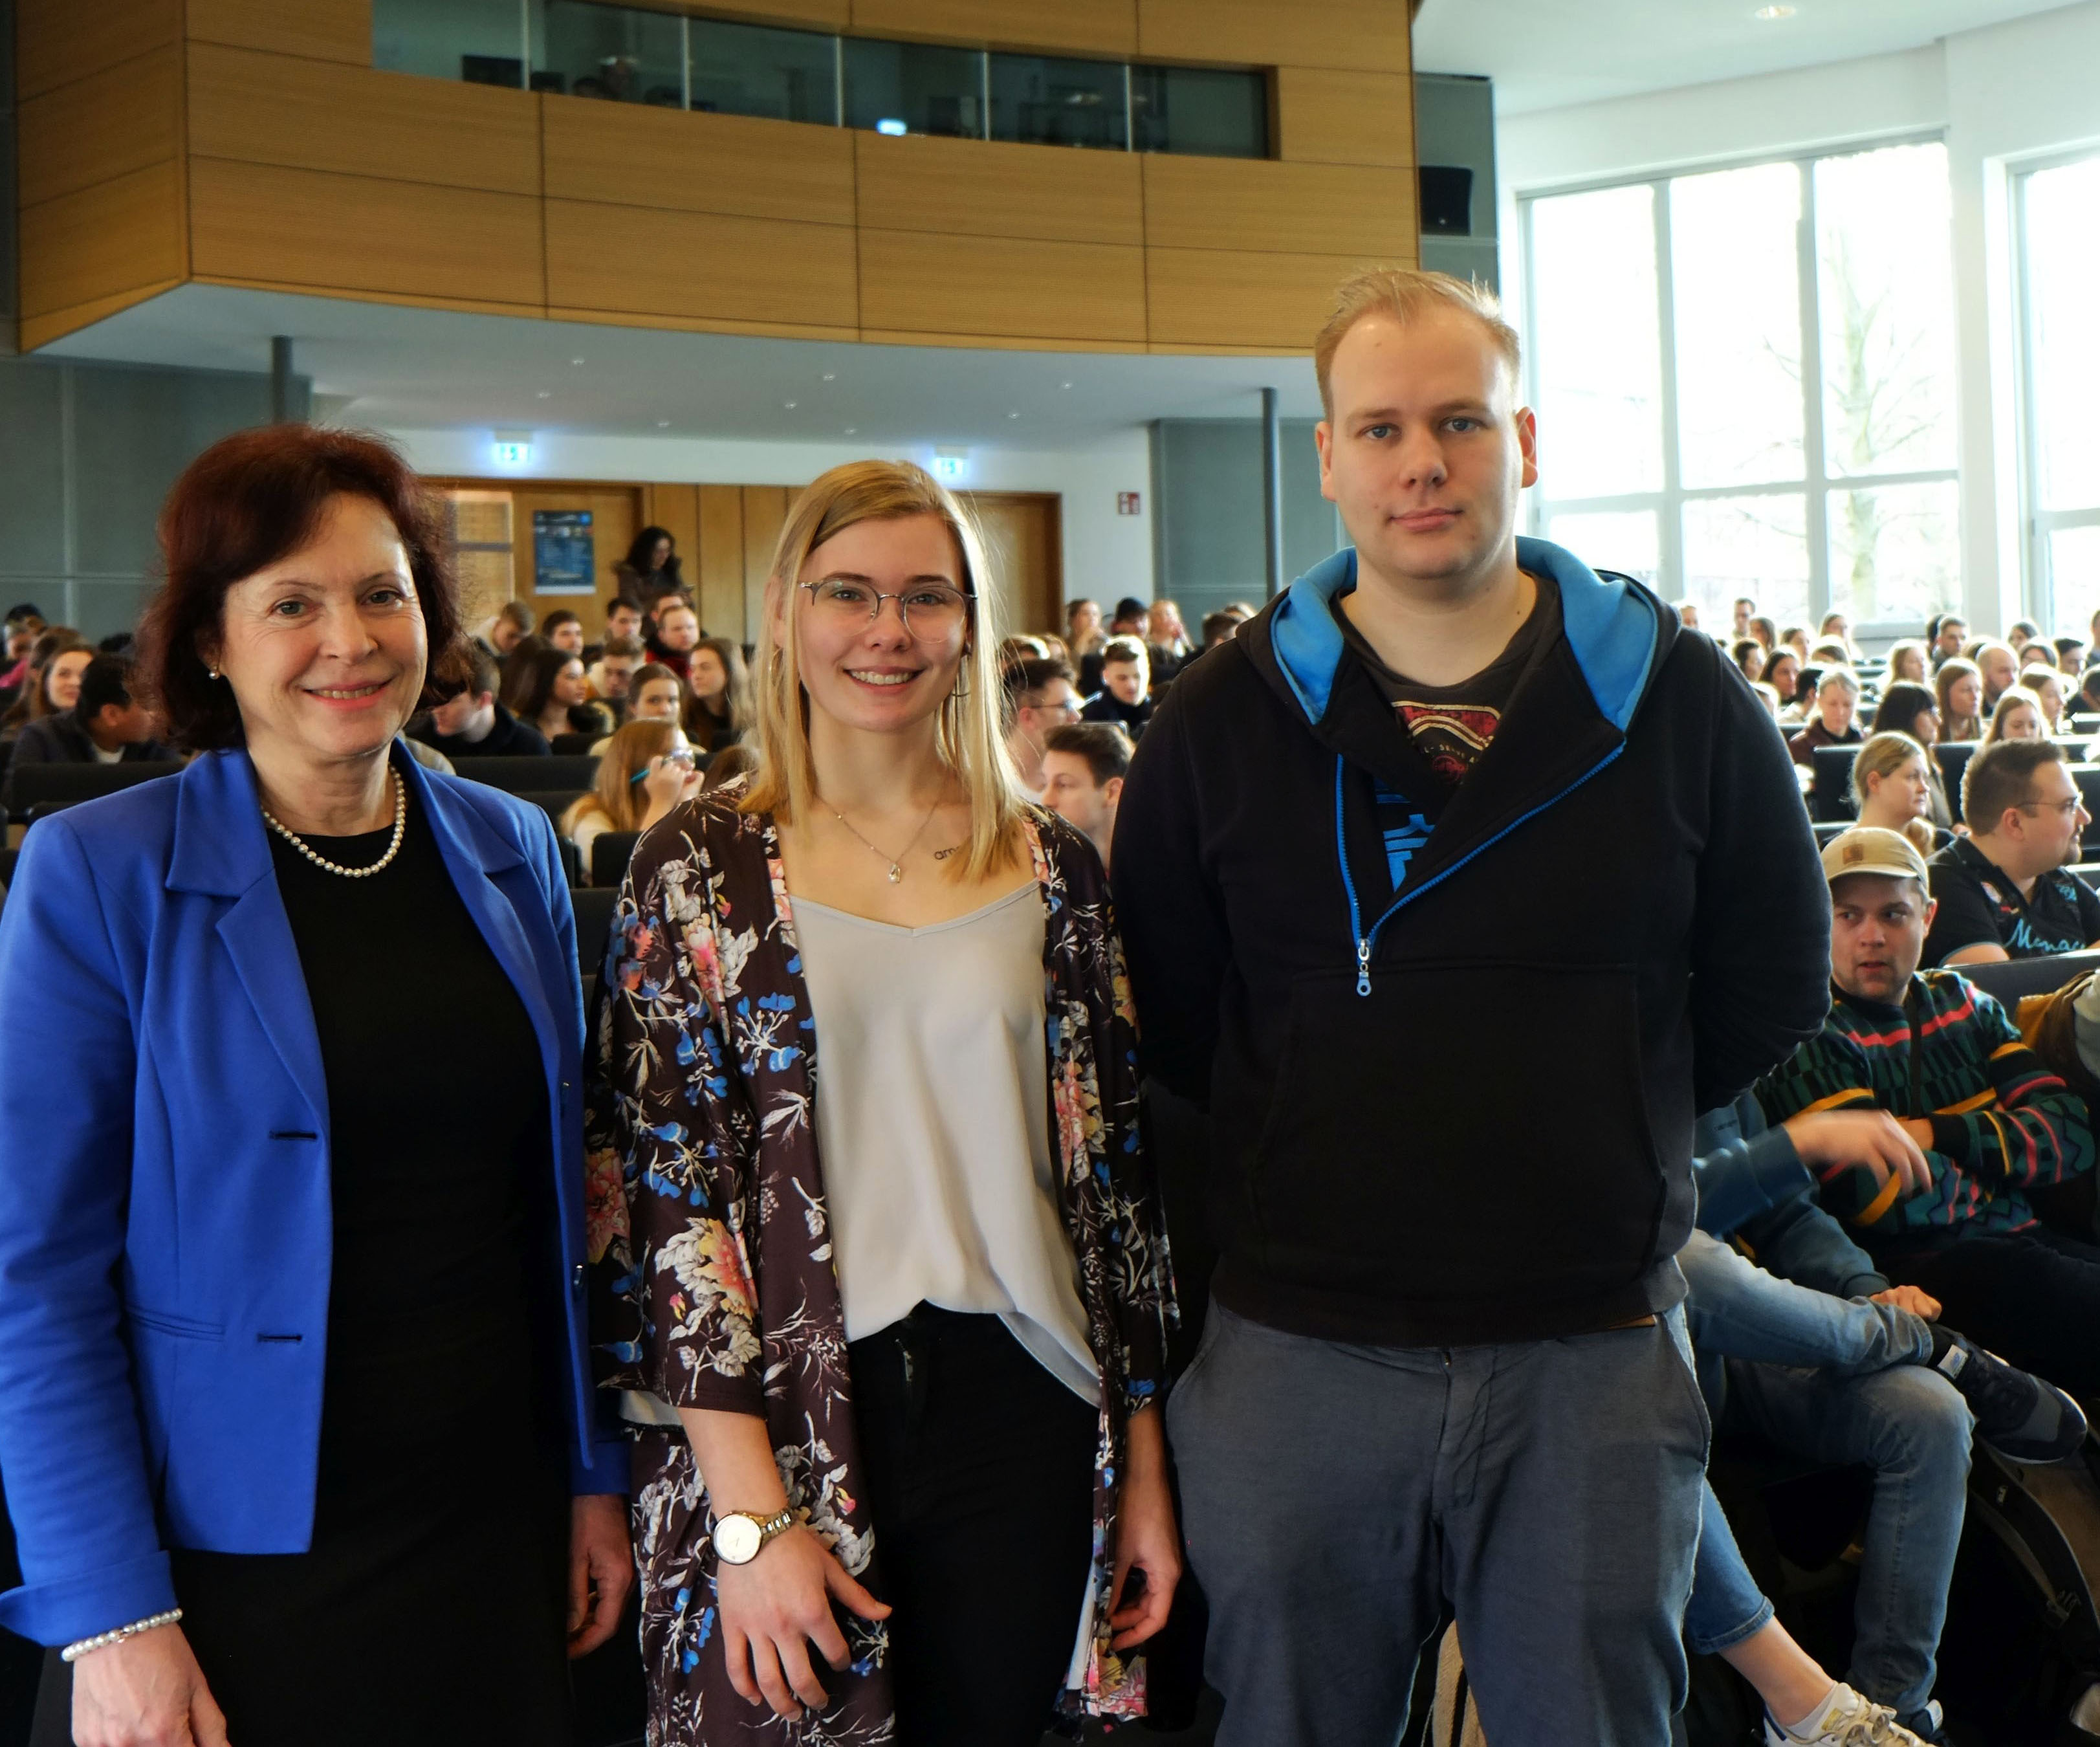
1812 1351
1740 614
659 694
25 625
1132 619
472 724
1998 666
1836 628
2003 891
2017 716
1795 638
647 769
1940 1056
104 727
1038 697
1895 787
1909 662
611 678
2047 685
499 635
1125 698
1083 766
1220 628
623 619
546 690
57 660
678 630
1748 655
1945 637
1167 642
2089 691
1783 674
720 708
1960 687
1836 703
649 569
564 630
2021 632
2070 657
1765 631
1768 697
1082 628
1906 707
728 764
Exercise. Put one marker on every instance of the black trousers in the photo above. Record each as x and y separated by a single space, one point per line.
2031 1297
979 1469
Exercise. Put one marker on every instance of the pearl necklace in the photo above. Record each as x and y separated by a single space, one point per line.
393 848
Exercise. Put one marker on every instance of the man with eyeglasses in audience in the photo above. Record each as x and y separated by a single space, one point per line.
2004 891
1039 697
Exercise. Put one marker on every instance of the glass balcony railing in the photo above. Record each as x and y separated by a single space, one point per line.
629 54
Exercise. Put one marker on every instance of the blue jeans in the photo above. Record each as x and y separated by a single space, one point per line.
1726 1605
1845 1383
1335 1496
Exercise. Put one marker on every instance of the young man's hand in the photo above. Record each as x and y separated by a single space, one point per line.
1872 1139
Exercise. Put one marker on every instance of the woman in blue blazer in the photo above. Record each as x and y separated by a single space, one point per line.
295 1418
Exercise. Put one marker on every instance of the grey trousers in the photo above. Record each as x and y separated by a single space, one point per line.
1335 1497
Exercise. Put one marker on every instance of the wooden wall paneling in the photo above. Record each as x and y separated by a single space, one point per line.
117 236
604 257
1366 35
1206 296
1294 209
997 286
799 15
764 512
34 331
687 162
980 188
305 227
1324 115
1076 27
339 30
313 115
716 568
615 511
57 41
121 120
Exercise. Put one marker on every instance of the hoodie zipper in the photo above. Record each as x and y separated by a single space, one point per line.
1367 938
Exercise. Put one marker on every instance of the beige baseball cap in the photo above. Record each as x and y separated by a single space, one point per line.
1869 850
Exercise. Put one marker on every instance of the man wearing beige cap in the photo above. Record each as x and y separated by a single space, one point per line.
1941 1056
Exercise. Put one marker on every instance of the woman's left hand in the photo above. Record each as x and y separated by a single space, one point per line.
601 1569
1147 1539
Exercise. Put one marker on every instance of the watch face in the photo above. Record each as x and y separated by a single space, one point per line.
737 1539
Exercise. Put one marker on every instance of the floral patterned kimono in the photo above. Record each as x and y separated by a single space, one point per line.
716 1288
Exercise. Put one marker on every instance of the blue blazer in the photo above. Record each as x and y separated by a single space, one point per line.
165 1229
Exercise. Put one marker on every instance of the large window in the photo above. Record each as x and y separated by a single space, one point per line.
1744 383
2059 259
588 48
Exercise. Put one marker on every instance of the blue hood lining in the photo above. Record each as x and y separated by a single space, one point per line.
1612 626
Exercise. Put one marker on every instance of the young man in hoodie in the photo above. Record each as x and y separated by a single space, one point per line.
1451 885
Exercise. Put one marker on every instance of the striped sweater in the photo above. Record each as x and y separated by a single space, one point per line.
2000 1119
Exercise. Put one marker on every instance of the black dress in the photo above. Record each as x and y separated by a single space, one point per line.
431 1605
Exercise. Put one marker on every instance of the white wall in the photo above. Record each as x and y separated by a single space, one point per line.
1105 554
1998 96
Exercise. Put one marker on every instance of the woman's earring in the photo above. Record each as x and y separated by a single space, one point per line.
213 672
961 688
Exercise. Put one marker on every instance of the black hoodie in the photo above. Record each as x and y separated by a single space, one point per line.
1452 1070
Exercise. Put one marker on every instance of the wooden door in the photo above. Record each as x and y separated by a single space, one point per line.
1023 536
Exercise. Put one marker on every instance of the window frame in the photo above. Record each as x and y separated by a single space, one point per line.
2037 571
1817 484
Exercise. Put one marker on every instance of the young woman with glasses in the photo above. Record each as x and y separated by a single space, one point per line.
895 1331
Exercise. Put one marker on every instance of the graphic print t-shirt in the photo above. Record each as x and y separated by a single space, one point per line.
1449 727
1979 906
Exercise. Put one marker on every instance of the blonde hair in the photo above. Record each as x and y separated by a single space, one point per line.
1407 296
969 734
1883 755
615 794
2014 697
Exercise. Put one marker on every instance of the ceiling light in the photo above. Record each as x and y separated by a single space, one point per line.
576 360
1064 385
890 125
1014 415
787 406
831 376
1772 14
663 424
851 429
546 394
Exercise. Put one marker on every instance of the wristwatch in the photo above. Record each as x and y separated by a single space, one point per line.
740 1537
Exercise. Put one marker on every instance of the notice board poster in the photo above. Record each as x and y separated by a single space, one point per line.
563 558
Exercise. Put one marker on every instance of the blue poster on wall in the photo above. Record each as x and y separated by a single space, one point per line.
564 561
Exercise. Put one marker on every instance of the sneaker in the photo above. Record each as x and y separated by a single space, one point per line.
1844 1719
2018 1415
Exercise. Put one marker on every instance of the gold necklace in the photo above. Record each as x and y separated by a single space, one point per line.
897 861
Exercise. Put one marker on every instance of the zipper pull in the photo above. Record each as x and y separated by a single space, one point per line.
1364 966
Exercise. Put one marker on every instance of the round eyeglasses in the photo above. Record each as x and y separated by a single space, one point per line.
930 610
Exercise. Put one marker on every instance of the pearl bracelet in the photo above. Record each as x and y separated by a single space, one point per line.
73 1653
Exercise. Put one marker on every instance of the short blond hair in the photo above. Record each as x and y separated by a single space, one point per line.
972 733
1407 295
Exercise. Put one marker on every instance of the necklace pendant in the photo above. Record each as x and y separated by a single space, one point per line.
896 874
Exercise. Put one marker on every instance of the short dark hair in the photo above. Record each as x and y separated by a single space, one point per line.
2000 774
1219 627
1103 744
1123 649
621 646
556 620
520 613
247 501
621 603
1072 607
1024 680
105 680
1130 606
484 673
